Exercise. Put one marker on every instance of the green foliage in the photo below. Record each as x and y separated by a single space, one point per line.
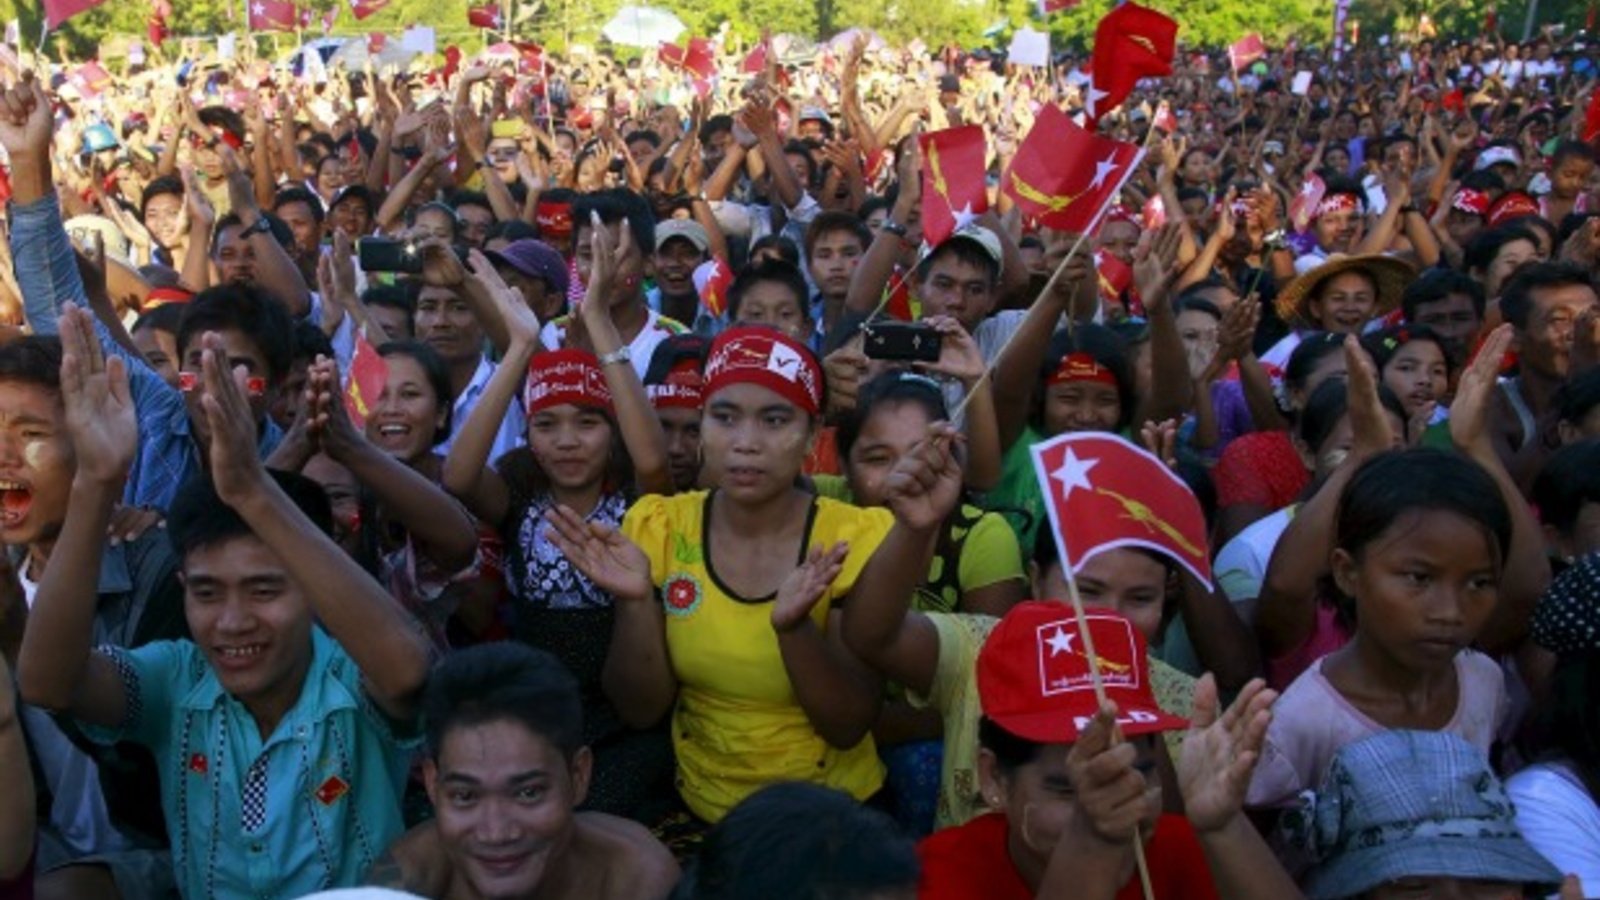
1204 22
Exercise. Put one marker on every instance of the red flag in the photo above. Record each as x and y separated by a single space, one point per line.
1591 117
700 59
1102 493
1114 276
1046 7
1164 120
1455 101
756 62
530 57
58 11
328 18
953 189
1491 20
670 53
452 61
1064 176
485 16
364 383
375 42
1303 208
1130 43
365 8
272 15
1248 49
1154 214
305 17
156 30
712 280
90 79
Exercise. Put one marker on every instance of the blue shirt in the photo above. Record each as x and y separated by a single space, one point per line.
47 275
308 809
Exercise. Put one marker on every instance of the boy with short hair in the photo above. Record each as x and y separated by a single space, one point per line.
772 293
282 747
504 722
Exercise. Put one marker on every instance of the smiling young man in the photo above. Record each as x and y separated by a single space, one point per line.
506 772
283 747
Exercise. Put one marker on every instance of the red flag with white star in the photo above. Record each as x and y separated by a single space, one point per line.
1064 176
953 187
712 280
1102 493
1130 43
1303 208
1114 276
58 11
273 15
1246 50
485 16
364 8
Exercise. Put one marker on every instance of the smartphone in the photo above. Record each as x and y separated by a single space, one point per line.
902 341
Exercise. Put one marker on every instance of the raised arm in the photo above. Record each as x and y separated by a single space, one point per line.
276 272
355 609
638 676
56 667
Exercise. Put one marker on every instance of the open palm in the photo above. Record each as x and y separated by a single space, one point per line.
1219 754
101 417
603 554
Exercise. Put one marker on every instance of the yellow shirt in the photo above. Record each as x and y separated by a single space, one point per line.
737 726
954 694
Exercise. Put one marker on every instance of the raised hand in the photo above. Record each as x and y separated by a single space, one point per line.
1220 753
844 369
1156 270
799 593
522 323
1112 797
925 484
603 554
241 193
1469 411
605 259
25 120
1161 438
100 413
1234 336
1368 419
236 468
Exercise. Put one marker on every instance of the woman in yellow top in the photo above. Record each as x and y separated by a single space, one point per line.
728 600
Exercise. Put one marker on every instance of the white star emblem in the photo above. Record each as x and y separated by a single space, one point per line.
1093 96
1103 170
1073 473
965 216
1060 642
258 9
1308 189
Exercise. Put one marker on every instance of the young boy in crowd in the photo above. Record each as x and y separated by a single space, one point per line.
771 293
835 244
282 747
506 772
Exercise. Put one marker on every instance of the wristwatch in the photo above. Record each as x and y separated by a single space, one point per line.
261 226
894 228
1276 240
619 355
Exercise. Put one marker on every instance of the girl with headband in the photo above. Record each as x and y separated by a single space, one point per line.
593 443
728 599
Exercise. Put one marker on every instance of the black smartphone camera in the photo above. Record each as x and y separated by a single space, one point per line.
902 342
384 254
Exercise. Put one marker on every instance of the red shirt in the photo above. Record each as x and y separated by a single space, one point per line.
971 861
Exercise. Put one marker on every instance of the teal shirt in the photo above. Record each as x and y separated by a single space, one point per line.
307 809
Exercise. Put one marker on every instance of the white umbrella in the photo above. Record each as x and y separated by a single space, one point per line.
353 55
642 26
841 42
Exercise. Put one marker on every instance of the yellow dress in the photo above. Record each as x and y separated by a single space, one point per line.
737 726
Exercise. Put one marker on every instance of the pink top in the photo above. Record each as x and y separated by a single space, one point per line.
1312 721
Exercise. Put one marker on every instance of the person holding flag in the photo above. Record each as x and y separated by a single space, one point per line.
1042 794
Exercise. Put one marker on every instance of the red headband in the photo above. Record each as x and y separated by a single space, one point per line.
1338 203
1512 205
565 376
769 359
1082 367
683 388
161 296
554 221
1470 201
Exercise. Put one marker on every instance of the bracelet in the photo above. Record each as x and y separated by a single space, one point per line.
621 354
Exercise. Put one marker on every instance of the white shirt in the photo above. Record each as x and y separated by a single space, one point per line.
513 429
1560 819
657 328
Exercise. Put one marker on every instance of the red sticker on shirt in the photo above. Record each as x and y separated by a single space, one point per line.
197 764
682 594
332 789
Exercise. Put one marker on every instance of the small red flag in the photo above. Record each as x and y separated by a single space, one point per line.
1246 51
1164 120
328 18
58 11
375 42
1102 493
1046 7
1591 117
1303 208
1064 176
712 280
530 57
1154 214
273 15
756 62
953 188
1455 101
1114 276
452 61
365 8
1491 20
90 79
364 383
670 53
156 30
1130 43
485 16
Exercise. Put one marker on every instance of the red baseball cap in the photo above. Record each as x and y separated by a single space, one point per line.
1034 680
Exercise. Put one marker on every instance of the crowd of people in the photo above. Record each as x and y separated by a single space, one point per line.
551 476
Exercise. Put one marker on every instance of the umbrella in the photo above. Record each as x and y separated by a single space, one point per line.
353 55
642 26
843 40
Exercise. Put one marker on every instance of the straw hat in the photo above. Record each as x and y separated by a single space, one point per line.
1390 274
